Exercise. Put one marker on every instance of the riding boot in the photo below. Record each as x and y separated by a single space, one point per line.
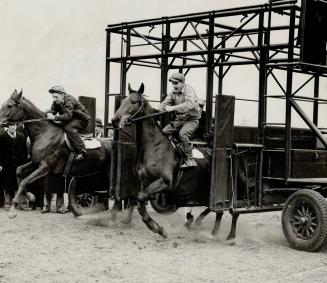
189 162
60 208
47 203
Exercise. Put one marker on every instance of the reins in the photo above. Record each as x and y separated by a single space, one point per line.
27 121
133 120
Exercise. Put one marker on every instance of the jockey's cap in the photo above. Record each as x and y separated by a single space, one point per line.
57 89
98 122
177 77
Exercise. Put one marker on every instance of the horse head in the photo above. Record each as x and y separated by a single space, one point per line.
10 110
130 107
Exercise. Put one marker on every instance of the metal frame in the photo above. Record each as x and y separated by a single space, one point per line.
217 47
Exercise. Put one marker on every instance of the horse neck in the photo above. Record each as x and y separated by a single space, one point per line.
34 129
150 139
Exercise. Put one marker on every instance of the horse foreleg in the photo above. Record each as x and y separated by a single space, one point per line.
23 171
152 225
40 172
232 232
215 229
204 213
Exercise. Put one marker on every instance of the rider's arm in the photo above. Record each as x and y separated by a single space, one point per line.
167 101
67 112
189 103
53 109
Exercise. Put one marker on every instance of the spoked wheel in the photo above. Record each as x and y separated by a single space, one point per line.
304 220
85 200
82 203
161 204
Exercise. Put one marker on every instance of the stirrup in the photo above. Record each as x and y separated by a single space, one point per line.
189 162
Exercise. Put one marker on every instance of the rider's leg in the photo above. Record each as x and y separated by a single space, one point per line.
185 133
72 129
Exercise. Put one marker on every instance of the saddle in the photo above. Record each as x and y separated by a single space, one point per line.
89 142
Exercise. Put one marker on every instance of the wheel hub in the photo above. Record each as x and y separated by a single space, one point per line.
304 220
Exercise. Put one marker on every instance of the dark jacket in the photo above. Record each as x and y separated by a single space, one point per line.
13 153
70 109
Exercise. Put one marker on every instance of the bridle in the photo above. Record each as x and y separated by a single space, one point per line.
24 121
131 119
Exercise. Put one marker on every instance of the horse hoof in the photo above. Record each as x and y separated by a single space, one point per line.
30 197
188 224
164 234
126 221
12 214
230 241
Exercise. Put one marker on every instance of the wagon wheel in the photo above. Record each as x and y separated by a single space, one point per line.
82 203
304 220
161 204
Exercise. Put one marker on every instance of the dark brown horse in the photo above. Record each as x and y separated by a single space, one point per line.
157 162
49 152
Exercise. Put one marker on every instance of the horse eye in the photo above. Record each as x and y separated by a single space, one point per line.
9 106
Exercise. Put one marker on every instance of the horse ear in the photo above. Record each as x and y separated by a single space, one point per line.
141 89
14 93
129 88
16 96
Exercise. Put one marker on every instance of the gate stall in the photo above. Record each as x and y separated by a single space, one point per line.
272 165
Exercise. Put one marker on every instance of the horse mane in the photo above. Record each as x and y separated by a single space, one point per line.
36 128
36 112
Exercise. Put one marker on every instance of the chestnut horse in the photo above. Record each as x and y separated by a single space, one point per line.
157 162
49 152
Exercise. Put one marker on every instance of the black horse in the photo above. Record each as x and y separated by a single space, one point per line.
157 163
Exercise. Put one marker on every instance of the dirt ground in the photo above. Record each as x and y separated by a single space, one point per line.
62 248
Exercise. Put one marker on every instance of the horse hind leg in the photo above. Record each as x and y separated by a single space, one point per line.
150 223
232 232
203 214
215 229
189 217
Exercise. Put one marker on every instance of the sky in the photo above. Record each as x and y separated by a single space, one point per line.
62 42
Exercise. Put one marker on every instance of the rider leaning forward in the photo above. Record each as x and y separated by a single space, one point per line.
183 101
69 112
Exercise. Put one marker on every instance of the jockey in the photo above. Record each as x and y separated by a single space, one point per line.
69 112
183 101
